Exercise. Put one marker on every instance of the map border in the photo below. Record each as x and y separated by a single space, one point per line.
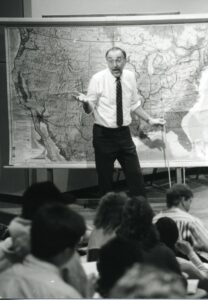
95 21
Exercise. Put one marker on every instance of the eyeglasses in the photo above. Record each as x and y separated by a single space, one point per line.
117 61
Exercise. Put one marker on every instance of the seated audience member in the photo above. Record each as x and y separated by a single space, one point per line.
17 246
169 235
178 200
115 258
136 225
149 282
55 232
107 220
162 257
168 232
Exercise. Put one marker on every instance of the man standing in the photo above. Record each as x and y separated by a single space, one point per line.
112 96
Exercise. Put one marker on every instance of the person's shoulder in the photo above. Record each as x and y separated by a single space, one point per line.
10 271
96 238
128 73
189 217
100 74
195 220
158 216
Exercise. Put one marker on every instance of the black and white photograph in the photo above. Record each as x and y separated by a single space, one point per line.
104 149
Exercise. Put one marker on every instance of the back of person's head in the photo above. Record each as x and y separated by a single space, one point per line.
176 193
37 195
145 281
136 219
162 257
168 231
55 227
109 211
115 257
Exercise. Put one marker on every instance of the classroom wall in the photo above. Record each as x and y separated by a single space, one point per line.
73 7
10 181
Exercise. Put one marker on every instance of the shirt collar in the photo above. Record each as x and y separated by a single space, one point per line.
175 209
113 77
34 262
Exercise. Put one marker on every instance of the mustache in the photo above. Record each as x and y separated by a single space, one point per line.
116 69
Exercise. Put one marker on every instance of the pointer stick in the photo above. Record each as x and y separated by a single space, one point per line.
164 138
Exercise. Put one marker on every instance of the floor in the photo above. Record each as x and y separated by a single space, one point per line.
155 193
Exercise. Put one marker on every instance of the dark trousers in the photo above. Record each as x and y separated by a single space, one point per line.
111 144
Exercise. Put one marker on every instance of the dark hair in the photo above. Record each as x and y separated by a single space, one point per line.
115 257
175 194
168 231
115 49
37 195
109 212
162 257
55 227
136 220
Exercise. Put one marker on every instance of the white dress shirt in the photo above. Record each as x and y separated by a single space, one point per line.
102 94
34 278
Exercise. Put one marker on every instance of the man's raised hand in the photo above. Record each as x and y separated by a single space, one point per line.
88 108
79 97
157 121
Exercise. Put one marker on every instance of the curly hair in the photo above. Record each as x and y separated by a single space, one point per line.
145 281
109 212
136 220
115 258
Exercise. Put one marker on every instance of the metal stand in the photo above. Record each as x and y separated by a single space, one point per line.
181 175
50 176
30 176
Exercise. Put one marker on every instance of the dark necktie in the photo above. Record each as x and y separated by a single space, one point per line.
119 102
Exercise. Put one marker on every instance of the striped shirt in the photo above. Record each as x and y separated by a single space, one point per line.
185 222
